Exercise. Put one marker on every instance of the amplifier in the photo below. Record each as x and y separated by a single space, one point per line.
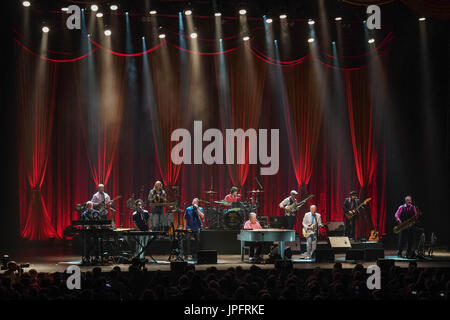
354 254
324 255
207 257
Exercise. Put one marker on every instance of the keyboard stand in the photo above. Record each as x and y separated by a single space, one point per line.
150 239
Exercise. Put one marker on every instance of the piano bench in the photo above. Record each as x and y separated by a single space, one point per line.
245 251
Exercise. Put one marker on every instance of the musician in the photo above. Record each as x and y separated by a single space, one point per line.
193 217
350 204
233 196
141 222
404 212
101 200
157 195
290 216
255 247
312 221
90 241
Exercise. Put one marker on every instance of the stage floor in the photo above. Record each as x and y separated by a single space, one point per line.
52 258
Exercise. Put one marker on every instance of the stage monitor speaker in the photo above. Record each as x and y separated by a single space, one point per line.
207 257
324 255
385 264
354 255
372 254
340 242
178 266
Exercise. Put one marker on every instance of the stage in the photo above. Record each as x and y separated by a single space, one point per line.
57 257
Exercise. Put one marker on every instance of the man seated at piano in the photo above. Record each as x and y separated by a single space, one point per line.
233 196
141 222
255 247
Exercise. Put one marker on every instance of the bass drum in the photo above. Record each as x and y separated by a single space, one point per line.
233 219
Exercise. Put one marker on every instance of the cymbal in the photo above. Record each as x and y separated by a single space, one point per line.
204 201
255 191
210 191
223 202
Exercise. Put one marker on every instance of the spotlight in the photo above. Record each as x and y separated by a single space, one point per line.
269 20
114 7
242 11
310 40
26 3
94 7
45 29
193 35
153 12
338 18
99 15
65 9
371 40
162 36
246 38
311 22
107 32
188 12
422 19
283 16
217 14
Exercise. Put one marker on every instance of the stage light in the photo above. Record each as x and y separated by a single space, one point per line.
269 20
26 3
162 36
45 29
193 35
114 7
310 40
246 38
65 9
422 19
217 14
107 32
153 12
242 11
311 22
283 16
188 12
371 40
99 15
338 18
94 7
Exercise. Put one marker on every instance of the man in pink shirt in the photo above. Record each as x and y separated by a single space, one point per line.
255 247
233 196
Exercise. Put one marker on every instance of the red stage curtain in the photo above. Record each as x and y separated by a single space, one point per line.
36 106
247 80
362 128
167 113
303 109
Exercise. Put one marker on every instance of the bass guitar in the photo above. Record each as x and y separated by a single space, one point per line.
297 205
349 215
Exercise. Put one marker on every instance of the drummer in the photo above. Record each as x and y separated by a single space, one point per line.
233 196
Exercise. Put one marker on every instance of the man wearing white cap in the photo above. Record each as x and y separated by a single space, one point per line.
286 204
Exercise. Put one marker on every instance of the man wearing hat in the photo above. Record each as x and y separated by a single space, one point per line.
290 215
350 204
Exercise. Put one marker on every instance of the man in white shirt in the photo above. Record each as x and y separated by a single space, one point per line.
290 216
312 221
101 201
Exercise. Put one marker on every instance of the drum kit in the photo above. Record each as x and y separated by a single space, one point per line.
221 214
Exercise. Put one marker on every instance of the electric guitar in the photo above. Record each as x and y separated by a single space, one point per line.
349 215
308 232
297 205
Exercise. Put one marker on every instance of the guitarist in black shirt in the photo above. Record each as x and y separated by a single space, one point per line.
350 203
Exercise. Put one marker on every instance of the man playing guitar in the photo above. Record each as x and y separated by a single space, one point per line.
312 221
287 204
350 204
102 201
